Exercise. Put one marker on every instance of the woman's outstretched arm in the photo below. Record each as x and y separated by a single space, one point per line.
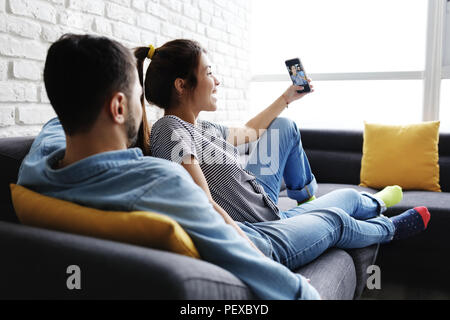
256 126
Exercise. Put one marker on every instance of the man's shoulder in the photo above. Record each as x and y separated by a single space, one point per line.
159 168
166 187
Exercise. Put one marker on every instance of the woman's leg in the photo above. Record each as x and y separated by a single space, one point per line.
359 205
279 153
300 239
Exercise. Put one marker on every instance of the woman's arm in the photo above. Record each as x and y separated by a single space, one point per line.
256 126
192 166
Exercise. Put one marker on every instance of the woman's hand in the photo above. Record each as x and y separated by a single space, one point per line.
291 94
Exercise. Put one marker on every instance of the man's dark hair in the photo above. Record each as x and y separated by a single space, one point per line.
81 74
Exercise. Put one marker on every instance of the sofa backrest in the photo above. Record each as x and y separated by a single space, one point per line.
12 152
335 155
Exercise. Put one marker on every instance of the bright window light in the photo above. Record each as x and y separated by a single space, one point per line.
341 37
447 37
445 105
338 36
347 104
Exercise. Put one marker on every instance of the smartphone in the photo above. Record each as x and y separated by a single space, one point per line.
297 74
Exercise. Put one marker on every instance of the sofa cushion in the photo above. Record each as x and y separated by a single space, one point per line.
335 166
35 268
148 229
436 202
335 155
404 155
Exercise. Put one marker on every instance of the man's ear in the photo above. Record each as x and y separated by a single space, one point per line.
179 86
117 106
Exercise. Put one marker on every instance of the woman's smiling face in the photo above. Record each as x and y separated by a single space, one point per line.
204 95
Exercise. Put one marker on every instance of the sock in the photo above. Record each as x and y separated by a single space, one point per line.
307 200
410 222
390 195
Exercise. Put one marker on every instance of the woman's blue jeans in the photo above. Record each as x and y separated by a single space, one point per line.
344 218
279 154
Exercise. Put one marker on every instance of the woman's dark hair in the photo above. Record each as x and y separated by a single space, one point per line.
175 59
81 74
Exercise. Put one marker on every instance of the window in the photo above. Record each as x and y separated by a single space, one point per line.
366 59
347 104
445 105
339 36
445 83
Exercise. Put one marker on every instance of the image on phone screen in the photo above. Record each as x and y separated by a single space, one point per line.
297 74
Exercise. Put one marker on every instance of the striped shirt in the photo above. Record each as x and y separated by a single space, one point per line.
232 187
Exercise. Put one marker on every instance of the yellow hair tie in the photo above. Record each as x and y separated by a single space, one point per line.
151 52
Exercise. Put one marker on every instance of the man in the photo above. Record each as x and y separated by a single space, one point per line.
86 156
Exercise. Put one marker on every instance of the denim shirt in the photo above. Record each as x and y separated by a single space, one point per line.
125 180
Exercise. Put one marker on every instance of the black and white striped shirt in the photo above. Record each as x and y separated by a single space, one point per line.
232 187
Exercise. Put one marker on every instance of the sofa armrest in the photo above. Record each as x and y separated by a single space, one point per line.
363 258
35 261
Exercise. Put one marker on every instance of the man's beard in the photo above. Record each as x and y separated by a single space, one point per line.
132 131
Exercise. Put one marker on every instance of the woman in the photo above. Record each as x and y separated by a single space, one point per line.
179 80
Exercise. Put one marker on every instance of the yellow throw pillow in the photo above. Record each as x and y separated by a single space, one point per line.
401 155
138 227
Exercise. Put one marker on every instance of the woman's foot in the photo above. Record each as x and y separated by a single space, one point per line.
390 195
410 222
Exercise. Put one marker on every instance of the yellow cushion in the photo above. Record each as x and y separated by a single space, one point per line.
138 227
401 155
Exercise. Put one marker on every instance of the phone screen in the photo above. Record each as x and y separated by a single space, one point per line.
297 74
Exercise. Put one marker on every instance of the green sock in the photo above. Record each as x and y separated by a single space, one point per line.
308 200
390 195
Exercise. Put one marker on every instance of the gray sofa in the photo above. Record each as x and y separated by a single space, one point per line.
34 260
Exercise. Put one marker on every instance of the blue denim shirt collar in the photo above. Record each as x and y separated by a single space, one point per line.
88 167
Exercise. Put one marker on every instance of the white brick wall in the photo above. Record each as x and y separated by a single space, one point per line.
28 27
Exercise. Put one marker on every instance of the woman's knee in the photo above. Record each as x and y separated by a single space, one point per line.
348 195
351 193
285 126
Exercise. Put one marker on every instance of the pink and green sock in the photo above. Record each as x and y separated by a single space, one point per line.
410 222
